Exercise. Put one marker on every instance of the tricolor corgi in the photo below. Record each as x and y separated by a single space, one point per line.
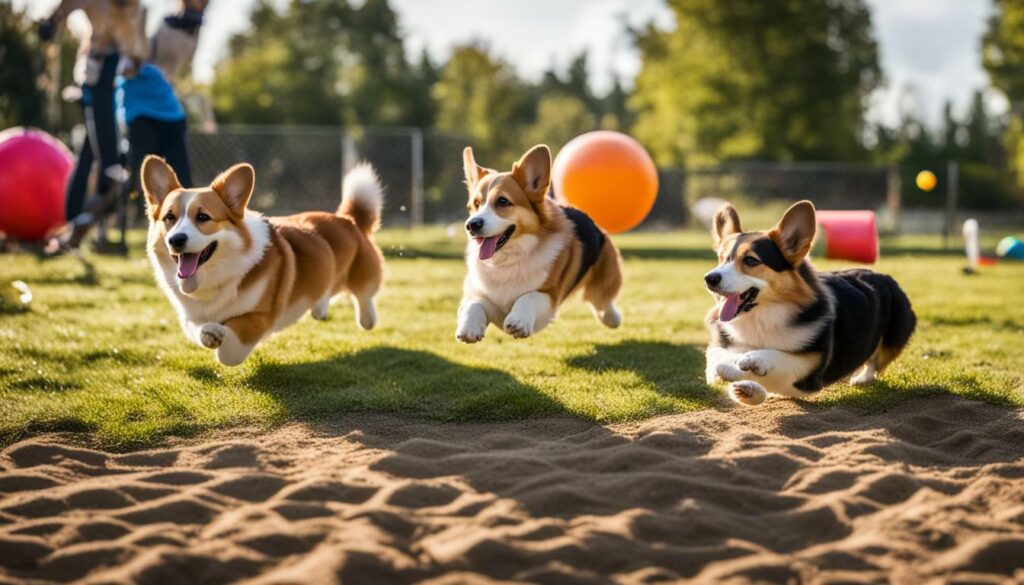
526 253
779 327
235 276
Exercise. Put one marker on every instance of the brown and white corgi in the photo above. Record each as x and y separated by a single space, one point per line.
526 253
779 327
235 276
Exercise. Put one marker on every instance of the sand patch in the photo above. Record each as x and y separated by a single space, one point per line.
932 489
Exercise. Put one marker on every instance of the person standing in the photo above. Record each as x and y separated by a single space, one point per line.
117 44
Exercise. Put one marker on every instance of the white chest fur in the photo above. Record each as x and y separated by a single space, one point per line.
770 327
520 268
220 295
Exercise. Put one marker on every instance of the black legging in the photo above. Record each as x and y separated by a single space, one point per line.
79 182
101 127
167 139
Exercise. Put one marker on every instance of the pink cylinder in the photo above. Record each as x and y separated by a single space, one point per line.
850 235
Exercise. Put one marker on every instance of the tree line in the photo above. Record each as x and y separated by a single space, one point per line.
745 80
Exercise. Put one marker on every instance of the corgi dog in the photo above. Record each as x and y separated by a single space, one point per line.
526 253
234 276
779 327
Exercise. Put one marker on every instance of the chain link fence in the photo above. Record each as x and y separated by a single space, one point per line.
768 188
301 168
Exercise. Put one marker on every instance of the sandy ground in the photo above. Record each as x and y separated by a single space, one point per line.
932 491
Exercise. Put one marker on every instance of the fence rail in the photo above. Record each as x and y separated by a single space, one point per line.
301 168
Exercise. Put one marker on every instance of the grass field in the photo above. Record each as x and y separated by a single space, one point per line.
101 350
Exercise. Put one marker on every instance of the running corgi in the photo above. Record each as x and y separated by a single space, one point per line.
526 253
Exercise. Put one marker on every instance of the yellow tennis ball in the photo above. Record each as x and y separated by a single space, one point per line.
926 181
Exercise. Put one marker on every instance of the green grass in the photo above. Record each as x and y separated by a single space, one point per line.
101 350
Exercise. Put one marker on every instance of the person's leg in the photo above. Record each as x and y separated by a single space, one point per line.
102 130
102 124
174 149
78 183
143 140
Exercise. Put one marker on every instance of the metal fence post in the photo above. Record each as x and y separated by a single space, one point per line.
349 154
416 217
893 196
952 194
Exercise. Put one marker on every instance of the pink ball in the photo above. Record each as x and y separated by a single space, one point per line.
34 169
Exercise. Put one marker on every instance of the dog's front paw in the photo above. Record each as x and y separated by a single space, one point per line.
518 327
747 392
754 362
211 335
470 332
711 377
728 372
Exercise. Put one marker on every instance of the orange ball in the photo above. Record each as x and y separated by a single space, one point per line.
609 176
926 181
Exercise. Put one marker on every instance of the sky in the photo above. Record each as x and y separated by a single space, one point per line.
929 49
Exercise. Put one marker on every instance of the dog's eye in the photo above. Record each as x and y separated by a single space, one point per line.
751 261
502 202
169 218
202 217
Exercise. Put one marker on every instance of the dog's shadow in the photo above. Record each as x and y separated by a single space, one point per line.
672 369
398 380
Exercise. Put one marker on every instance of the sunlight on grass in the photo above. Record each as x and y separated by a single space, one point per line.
102 351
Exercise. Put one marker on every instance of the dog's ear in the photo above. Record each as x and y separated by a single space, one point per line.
158 180
474 172
725 224
533 172
235 187
795 232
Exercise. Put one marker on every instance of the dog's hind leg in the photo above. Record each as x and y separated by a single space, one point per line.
319 310
608 315
366 312
602 286
866 374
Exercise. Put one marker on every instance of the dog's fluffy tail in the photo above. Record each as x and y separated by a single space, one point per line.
361 197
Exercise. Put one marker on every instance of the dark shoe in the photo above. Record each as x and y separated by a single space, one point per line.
107 248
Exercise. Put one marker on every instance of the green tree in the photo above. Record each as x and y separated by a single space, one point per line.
321 62
756 79
974 142
1003 59
615 105
560 118
575 84
30 81
480 97
21 65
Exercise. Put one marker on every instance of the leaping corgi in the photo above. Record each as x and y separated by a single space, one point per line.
780 327
526 253
234 276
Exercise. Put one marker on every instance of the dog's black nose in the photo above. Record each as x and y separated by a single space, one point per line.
474 225
713 279
178 241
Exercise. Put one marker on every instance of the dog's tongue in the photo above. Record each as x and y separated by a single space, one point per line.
729 308
488 246
187 265
189 285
